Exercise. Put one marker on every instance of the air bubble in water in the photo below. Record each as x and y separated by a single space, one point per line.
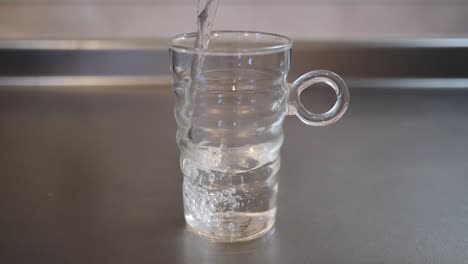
211 177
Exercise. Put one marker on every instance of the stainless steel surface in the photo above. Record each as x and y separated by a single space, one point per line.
120 44
88 83
161 43
104 63
94 178
81 62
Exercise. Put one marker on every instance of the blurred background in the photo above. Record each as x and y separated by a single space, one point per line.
89 169
360 39
300 19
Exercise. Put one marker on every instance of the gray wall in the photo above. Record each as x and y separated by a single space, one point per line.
300 19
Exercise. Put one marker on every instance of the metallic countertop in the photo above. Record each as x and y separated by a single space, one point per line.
94 178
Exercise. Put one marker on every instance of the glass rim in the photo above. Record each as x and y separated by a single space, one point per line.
268 49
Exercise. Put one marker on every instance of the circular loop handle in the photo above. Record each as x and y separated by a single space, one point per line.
306 81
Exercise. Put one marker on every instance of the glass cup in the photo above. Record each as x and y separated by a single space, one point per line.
230 104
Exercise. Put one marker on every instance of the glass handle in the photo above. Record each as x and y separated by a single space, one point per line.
306 81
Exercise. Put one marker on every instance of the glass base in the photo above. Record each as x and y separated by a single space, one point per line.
240 227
